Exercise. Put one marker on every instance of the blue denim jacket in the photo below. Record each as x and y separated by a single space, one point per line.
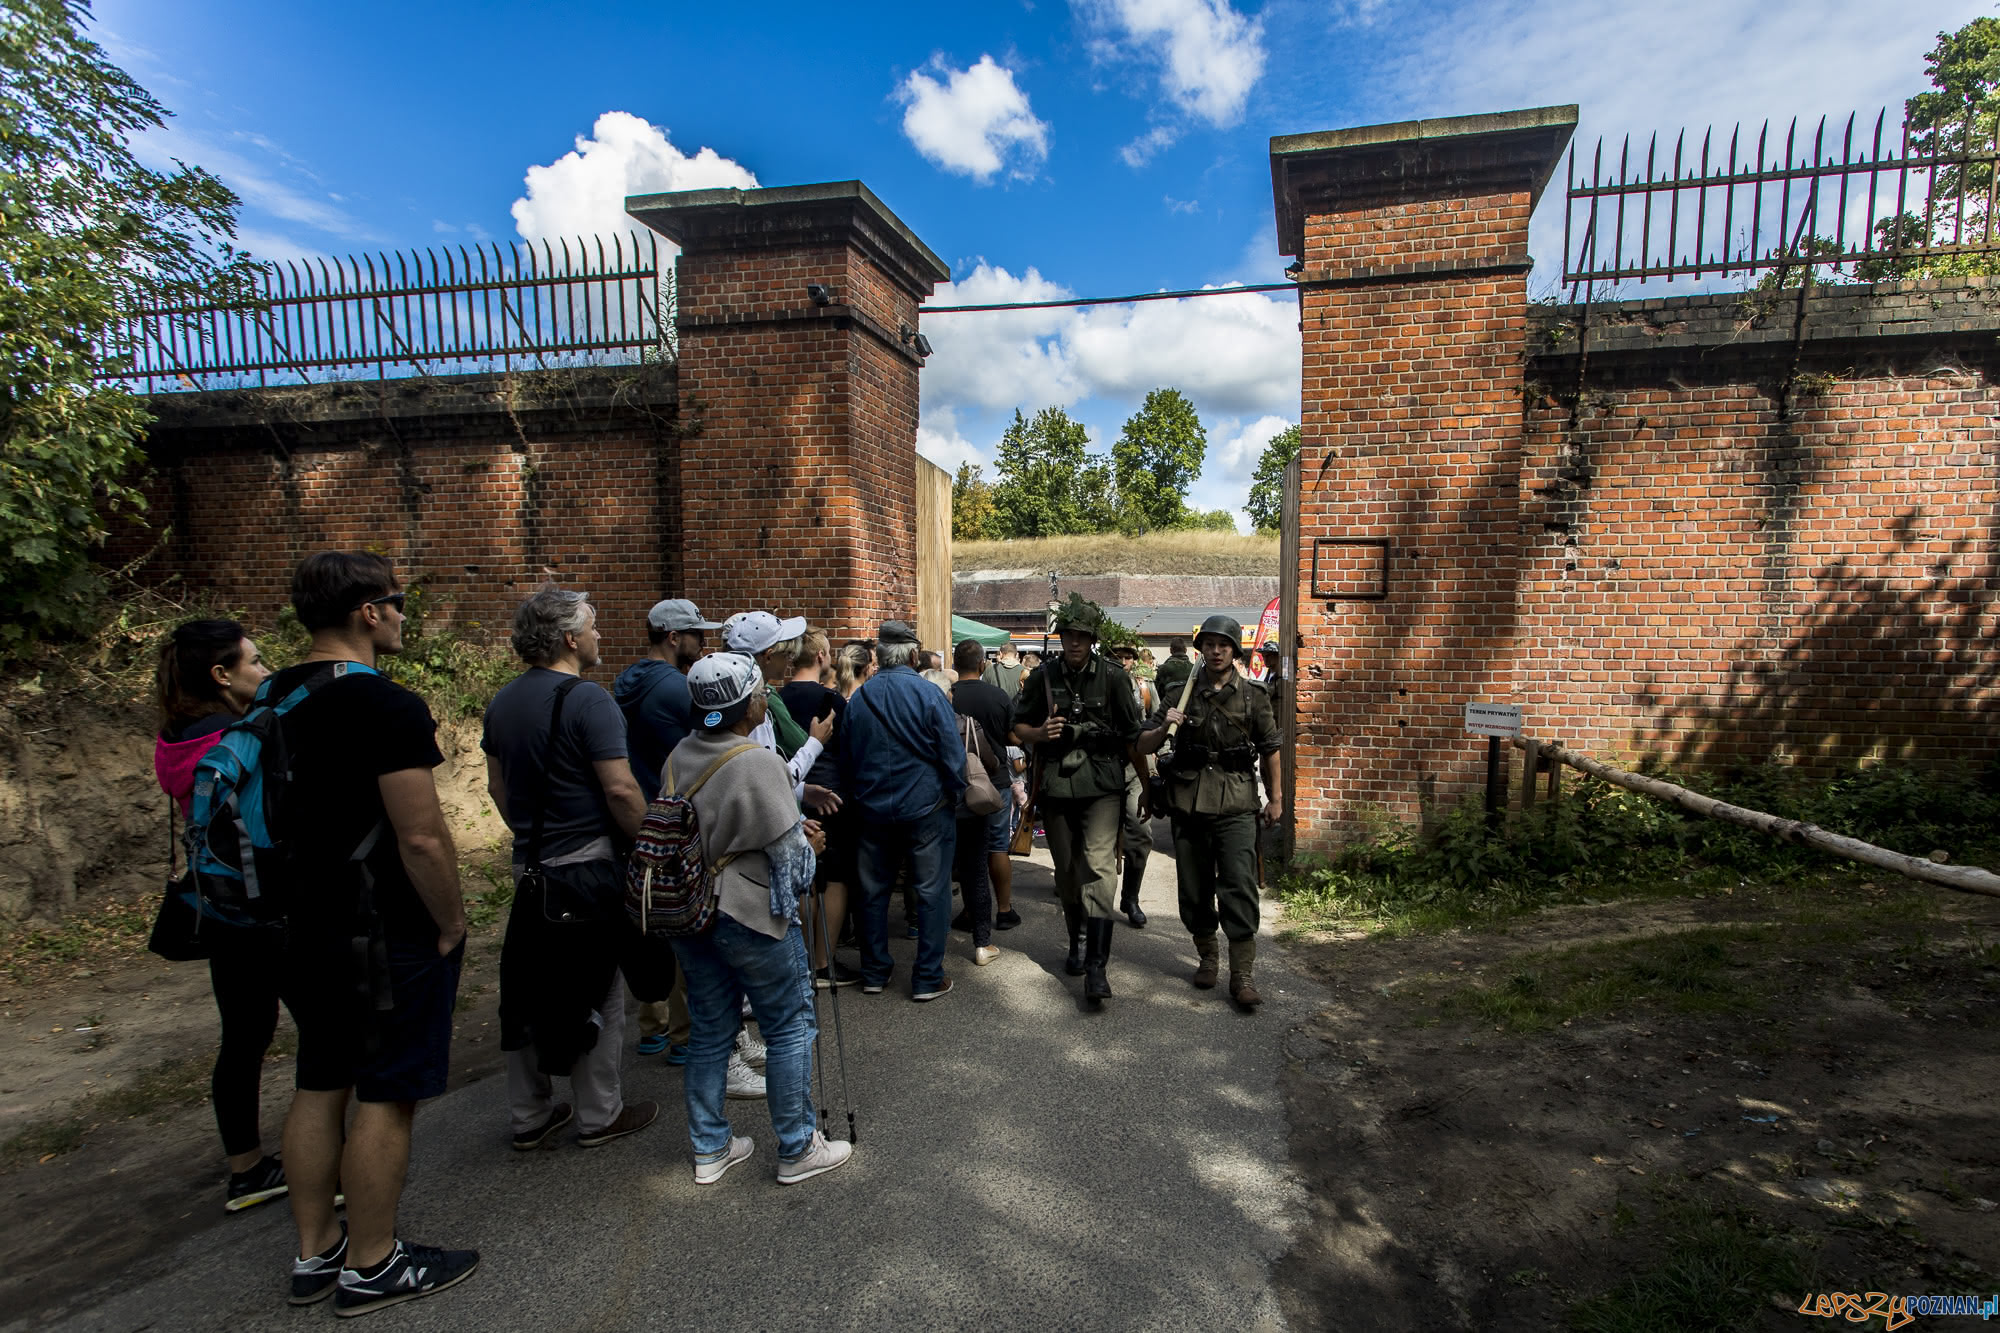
900 752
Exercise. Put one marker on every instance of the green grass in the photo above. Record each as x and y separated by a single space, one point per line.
1603 842
167 1086
1717 1269
1718 969
95 935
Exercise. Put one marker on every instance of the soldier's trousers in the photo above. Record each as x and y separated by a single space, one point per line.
1216 864
1083 842
1138 831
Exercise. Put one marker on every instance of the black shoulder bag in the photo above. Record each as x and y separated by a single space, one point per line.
585 893
177 926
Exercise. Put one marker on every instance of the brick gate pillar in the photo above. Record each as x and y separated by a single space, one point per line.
1413 317
798 457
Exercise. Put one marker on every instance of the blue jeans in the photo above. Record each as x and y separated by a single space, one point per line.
927 842
731 961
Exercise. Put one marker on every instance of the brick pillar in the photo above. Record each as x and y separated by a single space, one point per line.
1413 305
798 459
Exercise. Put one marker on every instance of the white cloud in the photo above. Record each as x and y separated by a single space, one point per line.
1209 56
1154 141
582 193
1827 58
939 439
1005 359
1181 205
975 123
260 184
1238 454
1232 354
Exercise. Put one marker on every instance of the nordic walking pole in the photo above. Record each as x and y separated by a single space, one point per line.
839 1037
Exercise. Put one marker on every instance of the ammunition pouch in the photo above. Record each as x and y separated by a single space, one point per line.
1189 758
1238 759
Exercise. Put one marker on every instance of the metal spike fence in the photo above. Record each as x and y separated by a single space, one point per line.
457 310
1839 202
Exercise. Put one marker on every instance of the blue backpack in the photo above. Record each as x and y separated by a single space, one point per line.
235 830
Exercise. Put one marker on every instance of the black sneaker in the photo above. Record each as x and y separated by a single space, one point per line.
834 974
409 1272
260 1184
1007 920
313 1279
530 1139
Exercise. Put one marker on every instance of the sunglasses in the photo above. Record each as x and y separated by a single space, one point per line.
394 599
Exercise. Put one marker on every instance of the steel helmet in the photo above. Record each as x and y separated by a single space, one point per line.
1080 614
1224 626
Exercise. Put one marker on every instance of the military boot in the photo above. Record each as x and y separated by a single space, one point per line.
1097 986
1204 972
1073 918
1242 962
1128 901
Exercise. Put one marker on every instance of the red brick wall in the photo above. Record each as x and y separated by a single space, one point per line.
799 460
477 488
1412 428
1712 583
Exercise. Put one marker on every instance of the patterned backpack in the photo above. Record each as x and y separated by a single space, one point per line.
669 883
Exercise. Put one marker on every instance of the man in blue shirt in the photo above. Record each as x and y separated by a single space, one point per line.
903 764
653 695
653 691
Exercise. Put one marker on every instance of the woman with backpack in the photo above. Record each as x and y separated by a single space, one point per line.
762 854
207 677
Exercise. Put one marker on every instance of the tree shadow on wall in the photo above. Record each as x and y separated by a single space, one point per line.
1879 666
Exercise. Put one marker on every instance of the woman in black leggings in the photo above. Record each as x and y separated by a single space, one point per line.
208 674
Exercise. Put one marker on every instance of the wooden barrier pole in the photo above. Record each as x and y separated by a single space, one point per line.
1966 879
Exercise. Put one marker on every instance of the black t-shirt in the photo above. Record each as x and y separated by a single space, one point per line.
808 701
341 741
993 710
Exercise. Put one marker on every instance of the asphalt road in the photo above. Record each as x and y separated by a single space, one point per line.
1022 1163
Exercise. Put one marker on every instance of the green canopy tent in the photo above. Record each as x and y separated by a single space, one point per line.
988 637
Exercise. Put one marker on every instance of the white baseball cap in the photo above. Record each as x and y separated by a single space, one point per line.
754 632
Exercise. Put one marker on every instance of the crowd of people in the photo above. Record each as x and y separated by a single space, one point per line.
827 783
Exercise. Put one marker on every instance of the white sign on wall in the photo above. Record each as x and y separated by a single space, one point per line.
1493 719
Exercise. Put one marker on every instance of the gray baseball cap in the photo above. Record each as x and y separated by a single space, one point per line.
677 613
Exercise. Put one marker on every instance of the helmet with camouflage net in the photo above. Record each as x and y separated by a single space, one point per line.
1081 614
1224 626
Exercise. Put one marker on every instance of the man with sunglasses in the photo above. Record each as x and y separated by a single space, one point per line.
375 935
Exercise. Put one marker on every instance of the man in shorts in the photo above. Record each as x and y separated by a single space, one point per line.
375 935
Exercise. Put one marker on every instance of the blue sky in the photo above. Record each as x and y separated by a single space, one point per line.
1095 147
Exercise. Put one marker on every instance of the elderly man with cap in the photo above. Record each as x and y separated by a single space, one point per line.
903 764
1079 712
770 643
1224 730
762 851
652 693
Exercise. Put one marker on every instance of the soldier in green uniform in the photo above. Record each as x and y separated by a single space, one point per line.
1226 733
1173 673
1079 713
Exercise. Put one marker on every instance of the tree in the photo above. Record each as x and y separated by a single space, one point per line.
1156 459
86 236
1266 504
1048 482
972 517
1956 115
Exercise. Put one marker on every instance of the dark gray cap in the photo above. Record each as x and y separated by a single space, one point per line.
896 631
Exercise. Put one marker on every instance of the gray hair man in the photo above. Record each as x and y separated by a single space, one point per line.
556 769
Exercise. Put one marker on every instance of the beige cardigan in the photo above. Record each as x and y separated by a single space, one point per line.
745 807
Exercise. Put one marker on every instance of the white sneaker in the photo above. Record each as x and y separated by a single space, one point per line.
816 1160
750 1048
707 1173
744 1083
985 954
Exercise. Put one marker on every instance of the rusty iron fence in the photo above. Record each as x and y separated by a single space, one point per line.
1845 205
456 310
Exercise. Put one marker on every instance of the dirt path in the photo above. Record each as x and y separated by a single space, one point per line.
1468 1174
110 1147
